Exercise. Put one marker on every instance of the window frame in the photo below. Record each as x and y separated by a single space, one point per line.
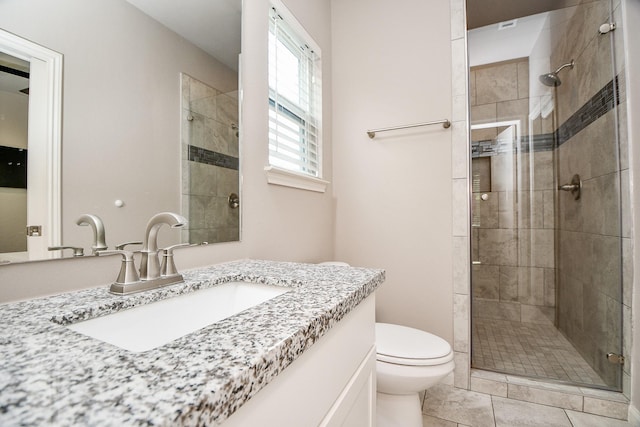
308 121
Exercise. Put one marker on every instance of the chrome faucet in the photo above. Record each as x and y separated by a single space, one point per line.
98 231
149 263
151 274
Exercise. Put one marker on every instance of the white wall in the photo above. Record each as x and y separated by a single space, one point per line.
392 66
632 60
278 223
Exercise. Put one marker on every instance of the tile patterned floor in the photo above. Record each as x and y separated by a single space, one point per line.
536 350
446 406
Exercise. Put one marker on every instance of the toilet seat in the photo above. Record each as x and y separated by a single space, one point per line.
402 345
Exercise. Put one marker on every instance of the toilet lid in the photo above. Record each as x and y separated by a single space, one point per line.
404 345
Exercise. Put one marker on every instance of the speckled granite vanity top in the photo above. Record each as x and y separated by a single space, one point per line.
51 375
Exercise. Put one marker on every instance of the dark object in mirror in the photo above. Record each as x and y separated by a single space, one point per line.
13 167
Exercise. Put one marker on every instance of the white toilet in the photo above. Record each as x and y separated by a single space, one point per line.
408 361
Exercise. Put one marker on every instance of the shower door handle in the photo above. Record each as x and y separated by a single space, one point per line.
569 187
575 186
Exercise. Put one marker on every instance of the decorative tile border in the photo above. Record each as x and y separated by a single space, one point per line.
599 105
487 148
202 155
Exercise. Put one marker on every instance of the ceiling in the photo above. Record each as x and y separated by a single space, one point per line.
212 25
10 82
486 12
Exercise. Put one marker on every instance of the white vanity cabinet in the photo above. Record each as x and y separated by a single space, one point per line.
331 384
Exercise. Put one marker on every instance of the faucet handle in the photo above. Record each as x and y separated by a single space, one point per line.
121 246
168 265
128 272
77 252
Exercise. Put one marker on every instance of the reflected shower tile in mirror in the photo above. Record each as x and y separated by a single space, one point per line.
503 172
212 130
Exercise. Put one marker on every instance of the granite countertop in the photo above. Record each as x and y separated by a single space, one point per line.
51 375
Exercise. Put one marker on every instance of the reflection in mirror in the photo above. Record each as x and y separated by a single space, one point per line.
210 162
14 112
121 118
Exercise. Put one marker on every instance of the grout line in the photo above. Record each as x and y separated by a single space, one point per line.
493 410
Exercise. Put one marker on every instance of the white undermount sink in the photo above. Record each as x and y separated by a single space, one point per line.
153 325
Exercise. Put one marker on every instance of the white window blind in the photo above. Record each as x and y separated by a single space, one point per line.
295 103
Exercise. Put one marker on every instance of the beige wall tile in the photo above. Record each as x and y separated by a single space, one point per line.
484 113
580 419
507 209
545 397
606 408
627 271
472 88
603 148
459 69
459 150
466 407
497 83
536 248
460 207
531 285
498 247
461 371
537 314
485 281
503 172
625 204
495 388
461 265
481 174
530 209
517 109
457 19
511 413
461 312
508 283
486 211
496 310
523 79
549 214
430 421
550 287
475 244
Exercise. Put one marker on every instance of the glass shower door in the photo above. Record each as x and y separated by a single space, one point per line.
547 177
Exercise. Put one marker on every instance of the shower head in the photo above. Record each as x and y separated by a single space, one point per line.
552 79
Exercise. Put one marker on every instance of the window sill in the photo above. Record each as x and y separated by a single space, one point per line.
286 178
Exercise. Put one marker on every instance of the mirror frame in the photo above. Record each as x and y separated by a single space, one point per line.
45 132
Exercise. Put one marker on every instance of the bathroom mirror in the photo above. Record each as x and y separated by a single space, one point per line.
123 153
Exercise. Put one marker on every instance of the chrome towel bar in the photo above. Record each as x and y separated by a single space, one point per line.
445 124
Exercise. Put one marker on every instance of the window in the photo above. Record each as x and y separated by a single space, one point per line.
295 103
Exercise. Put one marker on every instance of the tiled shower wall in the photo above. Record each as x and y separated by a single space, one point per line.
513 200
582 30
209 162
461 183
592 231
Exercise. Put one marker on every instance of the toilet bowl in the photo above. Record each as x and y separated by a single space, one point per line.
408 361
